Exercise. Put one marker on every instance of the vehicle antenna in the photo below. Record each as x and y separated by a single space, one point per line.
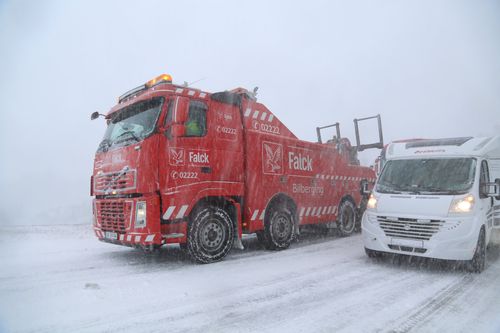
186 84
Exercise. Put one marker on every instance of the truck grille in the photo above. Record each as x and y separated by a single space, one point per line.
114 215
401 227
115 181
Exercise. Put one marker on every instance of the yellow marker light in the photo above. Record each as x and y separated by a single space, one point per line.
462 205
159 79
372 202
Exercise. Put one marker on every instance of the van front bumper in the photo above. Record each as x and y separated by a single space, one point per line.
454 238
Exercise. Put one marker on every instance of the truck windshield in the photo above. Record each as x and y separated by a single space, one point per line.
427 176
131 124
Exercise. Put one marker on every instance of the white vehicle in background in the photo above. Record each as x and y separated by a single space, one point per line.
436 198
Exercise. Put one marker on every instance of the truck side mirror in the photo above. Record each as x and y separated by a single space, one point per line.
94 115
177 130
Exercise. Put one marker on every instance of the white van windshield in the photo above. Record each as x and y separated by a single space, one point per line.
427 176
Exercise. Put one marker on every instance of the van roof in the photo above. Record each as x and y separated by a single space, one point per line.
447 147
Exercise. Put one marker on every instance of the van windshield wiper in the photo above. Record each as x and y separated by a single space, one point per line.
408 188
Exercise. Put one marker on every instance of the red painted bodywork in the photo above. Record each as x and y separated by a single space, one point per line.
247 157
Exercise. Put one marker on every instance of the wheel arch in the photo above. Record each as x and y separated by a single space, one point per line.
282 198
227 203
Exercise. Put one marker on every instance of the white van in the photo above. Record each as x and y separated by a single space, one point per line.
437 199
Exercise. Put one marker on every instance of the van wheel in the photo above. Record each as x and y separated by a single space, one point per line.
478 262
278 229
210 235
347 218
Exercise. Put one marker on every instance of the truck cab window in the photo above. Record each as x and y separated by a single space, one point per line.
196 124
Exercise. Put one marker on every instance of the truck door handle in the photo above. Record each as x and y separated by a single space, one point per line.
206 169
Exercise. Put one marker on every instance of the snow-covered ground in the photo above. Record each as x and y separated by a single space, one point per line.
61 279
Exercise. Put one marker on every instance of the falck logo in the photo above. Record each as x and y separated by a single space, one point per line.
272 158
176 156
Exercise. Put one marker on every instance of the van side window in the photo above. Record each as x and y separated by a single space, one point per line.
196 124
484 178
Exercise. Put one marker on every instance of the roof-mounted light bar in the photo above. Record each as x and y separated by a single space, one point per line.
164 78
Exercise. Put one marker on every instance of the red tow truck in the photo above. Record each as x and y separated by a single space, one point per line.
180 165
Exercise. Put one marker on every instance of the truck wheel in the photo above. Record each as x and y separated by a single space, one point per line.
210 235
476 265
279 229
347 218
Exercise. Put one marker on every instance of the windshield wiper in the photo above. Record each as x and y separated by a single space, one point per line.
387 187
413 189
104 145
132 135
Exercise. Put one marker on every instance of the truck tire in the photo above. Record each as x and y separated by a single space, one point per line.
210 234
478 261
347 218
279 228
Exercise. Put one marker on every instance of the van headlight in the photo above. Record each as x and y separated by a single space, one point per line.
462 205
140 214
372 202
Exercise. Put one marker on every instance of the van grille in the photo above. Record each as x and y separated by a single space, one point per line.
114 215
401 227
115 181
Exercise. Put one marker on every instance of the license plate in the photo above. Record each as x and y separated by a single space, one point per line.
110 235
407 242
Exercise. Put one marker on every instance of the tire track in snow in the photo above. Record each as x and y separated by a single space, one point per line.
432 306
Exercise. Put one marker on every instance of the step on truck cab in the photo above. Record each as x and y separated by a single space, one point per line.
180 165
437 199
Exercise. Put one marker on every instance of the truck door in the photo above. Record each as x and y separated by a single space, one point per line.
203 144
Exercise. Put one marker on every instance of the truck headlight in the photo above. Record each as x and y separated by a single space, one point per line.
372 202
140 214
462 205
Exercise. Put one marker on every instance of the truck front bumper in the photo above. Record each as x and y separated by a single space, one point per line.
114 221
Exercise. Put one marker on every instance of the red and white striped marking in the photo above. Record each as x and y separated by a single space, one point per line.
190 92
148 238
177 212
316 211
256 114
337 177
256 216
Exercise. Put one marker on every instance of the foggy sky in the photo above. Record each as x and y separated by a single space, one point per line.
430 68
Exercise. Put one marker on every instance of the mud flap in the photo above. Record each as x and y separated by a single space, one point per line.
238 234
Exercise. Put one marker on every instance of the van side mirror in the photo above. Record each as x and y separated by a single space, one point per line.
492 190
365 188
